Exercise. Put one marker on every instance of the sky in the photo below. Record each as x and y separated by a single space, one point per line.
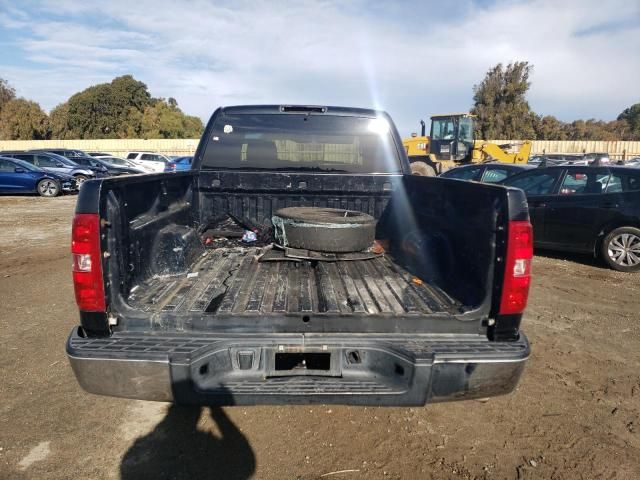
412 59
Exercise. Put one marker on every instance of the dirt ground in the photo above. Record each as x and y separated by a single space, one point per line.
576 413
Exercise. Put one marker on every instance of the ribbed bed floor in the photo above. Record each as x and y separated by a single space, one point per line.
233 281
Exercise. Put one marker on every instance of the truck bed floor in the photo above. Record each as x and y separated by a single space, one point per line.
232 281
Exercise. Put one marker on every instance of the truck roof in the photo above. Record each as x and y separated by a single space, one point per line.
309 109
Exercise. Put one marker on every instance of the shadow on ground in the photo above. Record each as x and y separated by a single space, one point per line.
176 449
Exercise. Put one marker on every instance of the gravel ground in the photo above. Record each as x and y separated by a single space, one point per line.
576 413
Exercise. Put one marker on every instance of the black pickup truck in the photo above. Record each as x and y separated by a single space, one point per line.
174 307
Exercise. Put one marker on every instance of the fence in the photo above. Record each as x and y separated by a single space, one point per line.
616 150
118 147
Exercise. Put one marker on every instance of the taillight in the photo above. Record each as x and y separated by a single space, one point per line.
517 273
87 264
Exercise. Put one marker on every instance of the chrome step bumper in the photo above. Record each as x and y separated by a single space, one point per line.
368 369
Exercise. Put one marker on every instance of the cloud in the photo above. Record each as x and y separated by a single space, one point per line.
410 60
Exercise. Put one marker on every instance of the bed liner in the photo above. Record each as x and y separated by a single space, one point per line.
233 281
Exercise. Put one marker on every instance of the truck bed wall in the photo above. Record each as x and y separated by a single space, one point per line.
456 225
257 195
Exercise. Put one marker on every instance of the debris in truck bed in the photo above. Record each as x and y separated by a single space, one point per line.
278 254
249 237
379 246
225 227
229 231
274 255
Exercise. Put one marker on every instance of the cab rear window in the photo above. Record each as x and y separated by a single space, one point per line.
331 143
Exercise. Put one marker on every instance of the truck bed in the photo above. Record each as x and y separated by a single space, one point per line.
232 281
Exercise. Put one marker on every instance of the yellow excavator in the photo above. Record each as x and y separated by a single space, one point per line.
451 143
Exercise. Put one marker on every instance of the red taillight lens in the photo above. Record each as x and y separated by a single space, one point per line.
87 265
517 273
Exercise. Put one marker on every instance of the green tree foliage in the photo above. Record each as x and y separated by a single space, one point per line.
22 119
549 127
500 103
631 116
7 92
102 111
164 119
122 108
58 122
590 130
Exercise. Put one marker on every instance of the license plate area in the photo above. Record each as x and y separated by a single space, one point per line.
295 363
303 361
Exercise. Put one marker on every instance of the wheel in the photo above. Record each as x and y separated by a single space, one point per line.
48 188
423 169
621 249
80 179
324 229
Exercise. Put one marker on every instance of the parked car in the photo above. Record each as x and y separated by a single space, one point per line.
595 159
552 159
485 172
98 154
65 152
112 169
17 176
118 162
149 161
51 162
71 157
632 162
535 160
167 315
587 209
179 163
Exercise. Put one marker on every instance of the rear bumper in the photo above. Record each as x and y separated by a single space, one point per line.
244 370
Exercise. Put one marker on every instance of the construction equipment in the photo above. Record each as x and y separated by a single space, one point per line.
451 143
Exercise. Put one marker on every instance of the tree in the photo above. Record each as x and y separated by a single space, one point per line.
58 123
500 103
22 119
122 108
550 128
591 130
165 120
631 116
7 92
106 110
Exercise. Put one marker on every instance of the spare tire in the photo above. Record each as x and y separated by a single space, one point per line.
324 229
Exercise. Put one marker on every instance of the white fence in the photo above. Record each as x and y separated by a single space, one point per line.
616 150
